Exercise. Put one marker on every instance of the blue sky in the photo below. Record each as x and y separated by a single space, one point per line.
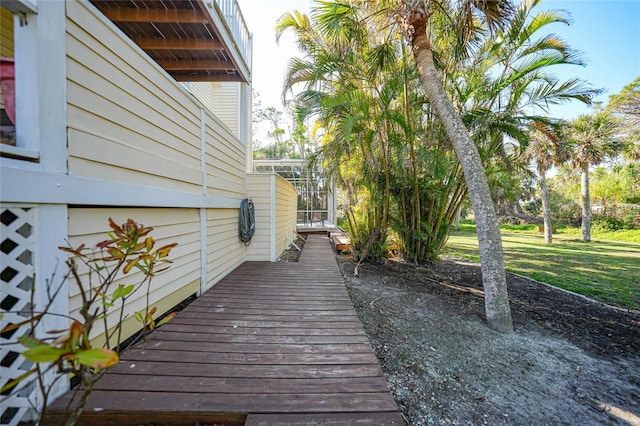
606 31
608 35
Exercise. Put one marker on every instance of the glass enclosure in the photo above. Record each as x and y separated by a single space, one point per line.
316 194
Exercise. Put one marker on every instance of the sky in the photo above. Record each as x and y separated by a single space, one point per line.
607 32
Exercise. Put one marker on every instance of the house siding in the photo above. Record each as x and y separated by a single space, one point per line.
203 91
225 160
286 198
111 135
225 251
259 188
275 203
182 226
127 120
226 105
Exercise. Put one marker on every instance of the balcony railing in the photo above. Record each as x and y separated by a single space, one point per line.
236 23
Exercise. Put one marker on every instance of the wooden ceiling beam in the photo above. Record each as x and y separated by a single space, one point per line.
169 16
178 44
206 77
191 65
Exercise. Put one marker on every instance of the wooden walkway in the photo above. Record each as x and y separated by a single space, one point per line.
271 344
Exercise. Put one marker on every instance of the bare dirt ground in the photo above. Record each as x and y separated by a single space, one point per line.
570 361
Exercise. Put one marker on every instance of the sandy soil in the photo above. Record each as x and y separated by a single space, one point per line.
570 361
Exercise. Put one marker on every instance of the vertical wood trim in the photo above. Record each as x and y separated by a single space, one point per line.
244 114
203 250
272 217
41 86
203 149
52 231
52 80
27 93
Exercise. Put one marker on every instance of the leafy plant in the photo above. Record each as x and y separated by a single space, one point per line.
71 352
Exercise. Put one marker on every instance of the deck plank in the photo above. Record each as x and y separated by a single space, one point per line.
271 343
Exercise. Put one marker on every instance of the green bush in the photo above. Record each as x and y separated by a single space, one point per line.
631 218
606 224
533 207
567 214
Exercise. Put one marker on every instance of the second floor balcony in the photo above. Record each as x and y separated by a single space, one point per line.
193 40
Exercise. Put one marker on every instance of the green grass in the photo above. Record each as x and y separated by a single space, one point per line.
607 268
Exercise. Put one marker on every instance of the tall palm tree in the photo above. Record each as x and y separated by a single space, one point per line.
342 88
593 141
548 148
626 105
418 18
507 79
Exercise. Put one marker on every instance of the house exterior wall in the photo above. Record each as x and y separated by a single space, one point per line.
105 132
275 203
130 123
224 251
259 190
286 199
182 279
203 91
228 112
127 121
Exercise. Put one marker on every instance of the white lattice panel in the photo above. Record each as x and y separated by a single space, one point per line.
17 278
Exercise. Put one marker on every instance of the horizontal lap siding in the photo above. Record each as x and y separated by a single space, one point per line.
6 35
286 205
203 91
128 121
259 188
226 104
182 226
225 252
225 161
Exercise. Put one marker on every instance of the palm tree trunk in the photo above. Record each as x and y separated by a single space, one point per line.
546 208
496 299
586 205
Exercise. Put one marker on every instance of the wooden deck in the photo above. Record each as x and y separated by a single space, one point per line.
271 344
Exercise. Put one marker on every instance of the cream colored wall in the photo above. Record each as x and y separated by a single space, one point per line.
182 226
128 121
259 189
226 104
273 198
225 161
203 91
286 198
225 251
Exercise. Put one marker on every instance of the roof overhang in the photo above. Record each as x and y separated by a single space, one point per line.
188 39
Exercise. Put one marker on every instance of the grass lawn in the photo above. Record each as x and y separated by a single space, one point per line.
603 269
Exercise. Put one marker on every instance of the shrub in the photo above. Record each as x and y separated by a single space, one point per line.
72 352
567 214
606 224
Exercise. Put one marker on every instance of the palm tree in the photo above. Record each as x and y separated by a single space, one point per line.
593 141
547 148
626 106
341 87
418 17
506 80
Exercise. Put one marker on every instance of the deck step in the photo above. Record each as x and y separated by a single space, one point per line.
340 241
